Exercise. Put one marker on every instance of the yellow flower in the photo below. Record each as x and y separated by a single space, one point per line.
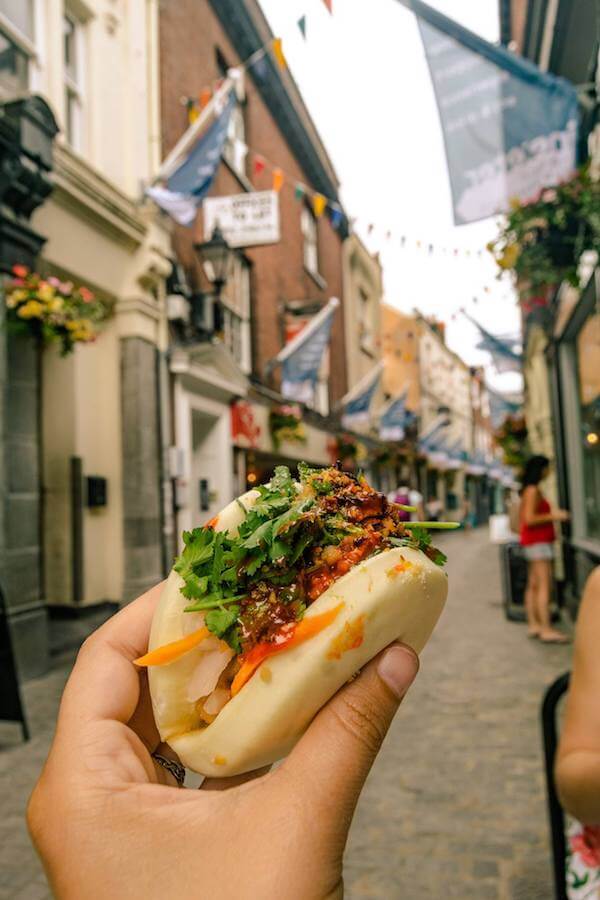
45 291
514 203
509 257
31 310
15 297
56 305
81 329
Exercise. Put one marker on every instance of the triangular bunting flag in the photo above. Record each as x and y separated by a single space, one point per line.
205 95
336 217
329 5
278 53
319 204
259 165
302 26
278 179
299 191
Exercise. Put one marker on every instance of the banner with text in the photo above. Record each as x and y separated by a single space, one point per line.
509 128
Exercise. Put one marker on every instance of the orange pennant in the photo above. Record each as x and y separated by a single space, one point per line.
278 179
319 204
205 95
278 53
329 5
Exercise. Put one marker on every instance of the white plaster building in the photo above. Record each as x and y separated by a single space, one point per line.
95 62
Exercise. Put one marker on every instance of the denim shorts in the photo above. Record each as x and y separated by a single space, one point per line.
532 552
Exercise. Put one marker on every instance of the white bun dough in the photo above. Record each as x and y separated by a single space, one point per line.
271 712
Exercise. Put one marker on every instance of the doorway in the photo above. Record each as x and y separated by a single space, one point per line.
206 477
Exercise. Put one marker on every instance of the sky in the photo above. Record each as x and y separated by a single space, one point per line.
364 77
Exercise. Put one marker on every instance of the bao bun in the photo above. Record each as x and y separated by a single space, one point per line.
270 713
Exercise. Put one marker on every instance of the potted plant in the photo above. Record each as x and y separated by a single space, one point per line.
51 310
285 424
541 241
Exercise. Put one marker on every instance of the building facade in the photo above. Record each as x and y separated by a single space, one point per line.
562 349
446 423
95 412
231 423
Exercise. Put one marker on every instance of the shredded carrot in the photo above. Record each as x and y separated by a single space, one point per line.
212 523
299 633
170 652
403 566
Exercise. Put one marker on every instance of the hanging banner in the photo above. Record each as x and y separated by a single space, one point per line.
356 404
394 419
245 220
509 128
301 359
190 182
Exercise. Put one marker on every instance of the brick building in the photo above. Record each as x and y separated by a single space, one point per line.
273 289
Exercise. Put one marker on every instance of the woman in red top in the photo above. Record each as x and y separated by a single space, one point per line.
537 538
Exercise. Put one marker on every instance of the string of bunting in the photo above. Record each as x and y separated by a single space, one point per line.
319 202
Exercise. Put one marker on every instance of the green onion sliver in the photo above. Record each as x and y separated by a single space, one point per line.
406 508
445 526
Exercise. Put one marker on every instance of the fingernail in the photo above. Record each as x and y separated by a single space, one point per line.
398 668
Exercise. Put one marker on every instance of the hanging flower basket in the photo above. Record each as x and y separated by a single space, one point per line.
347 450
285 424
52 311
542 241
512 438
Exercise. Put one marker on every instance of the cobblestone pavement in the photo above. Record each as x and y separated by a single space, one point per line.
454 806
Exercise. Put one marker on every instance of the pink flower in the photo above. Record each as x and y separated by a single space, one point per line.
17 282
20 271
86 295
66 287
54 281
587 845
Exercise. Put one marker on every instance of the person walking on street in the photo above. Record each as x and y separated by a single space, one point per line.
537 536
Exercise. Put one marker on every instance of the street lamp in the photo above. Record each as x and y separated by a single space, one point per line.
217 258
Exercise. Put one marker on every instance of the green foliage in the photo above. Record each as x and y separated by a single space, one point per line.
542 241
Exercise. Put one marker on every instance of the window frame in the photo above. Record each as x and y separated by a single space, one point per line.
24 45
239 312
307 216
74 86
568 371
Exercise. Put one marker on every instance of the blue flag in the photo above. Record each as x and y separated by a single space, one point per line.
509 128
302 358
189 184
394 419
357 402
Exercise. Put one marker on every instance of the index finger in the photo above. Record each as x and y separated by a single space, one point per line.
104 683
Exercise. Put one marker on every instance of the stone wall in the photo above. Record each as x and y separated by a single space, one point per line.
20 557
141 466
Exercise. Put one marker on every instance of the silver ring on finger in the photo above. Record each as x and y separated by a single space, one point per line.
175 768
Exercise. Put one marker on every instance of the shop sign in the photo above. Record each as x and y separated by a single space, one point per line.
244 429
246 220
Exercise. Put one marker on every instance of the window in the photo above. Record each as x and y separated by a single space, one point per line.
308 223
236 314
365 323
16 46
73 76
588 365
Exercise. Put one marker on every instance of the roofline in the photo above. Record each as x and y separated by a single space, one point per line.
248 30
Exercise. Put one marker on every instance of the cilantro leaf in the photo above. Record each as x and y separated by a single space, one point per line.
197 550
220 620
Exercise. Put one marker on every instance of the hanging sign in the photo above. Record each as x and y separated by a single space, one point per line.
246 220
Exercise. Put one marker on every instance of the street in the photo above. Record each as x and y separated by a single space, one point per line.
455 805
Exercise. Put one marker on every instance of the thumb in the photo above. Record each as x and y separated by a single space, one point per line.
331 762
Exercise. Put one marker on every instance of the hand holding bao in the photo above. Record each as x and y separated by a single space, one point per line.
274 605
